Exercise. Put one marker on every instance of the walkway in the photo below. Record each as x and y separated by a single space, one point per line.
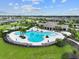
74 41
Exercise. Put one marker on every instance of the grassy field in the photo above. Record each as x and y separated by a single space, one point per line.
8 51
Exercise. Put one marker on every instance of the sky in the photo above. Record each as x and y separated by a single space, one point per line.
39 7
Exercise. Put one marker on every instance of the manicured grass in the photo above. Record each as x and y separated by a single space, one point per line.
8 51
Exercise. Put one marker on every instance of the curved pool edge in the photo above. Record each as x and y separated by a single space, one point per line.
44 43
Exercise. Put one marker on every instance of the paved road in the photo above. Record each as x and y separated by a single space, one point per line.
76 42
73 43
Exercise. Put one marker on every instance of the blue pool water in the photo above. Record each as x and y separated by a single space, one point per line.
36 36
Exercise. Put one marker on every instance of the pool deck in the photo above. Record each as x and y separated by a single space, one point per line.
13 38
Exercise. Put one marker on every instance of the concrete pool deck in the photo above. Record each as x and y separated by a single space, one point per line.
13 38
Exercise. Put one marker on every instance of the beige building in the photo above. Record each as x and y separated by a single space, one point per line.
54 26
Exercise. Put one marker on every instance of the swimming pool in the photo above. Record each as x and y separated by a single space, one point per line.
34 36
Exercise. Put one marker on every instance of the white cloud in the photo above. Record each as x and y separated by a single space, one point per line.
30 9
53 1
23 0
33 1
73 11
10 4
16 7
63 1
29 0
16 4
36 1
26 8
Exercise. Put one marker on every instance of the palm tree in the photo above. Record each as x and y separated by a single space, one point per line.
71 25
30 26
62 22
22 30
72 28
41 27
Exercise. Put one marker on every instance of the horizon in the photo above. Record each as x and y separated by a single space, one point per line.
39 7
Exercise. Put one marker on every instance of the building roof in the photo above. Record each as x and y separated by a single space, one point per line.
53 24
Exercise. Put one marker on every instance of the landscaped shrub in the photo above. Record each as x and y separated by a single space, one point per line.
70 55
65 56
60 43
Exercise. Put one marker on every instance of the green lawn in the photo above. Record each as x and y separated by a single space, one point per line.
8 51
